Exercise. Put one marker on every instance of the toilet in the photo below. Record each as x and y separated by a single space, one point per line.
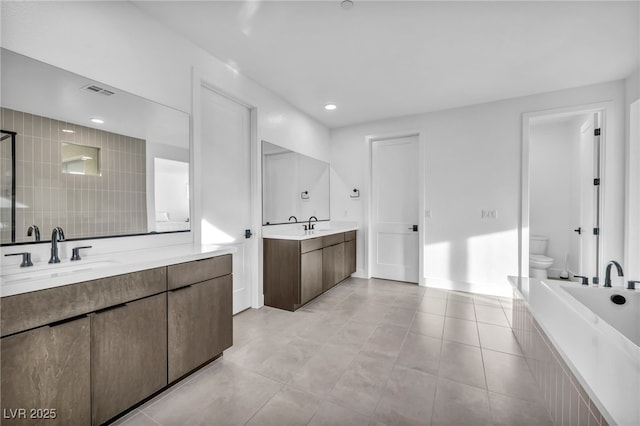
538 262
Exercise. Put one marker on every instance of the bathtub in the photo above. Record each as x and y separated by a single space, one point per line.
597 339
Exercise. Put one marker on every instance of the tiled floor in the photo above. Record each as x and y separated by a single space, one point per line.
368 352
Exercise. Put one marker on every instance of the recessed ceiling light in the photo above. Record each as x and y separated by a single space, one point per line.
68 131
97 121
346 4
330 107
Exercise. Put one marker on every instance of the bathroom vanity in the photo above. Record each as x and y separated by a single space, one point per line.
82 353
301 265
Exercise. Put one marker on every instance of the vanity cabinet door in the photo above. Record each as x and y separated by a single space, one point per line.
332 265
310 275
349 258
128 355
200 324
45 375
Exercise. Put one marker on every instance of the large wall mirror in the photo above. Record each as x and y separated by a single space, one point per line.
88 157
294 186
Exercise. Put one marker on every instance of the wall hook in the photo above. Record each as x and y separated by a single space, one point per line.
304 195
356 194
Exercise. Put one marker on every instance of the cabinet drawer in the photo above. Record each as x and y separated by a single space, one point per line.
331 240
311 245
350 235
197 271
29 310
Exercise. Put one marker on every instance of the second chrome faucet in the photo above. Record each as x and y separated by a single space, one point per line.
57 234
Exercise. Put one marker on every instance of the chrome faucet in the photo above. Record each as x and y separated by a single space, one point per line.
607 275
310 226
294 218
56 235
34 229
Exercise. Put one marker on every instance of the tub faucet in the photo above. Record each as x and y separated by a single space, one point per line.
34 229
56 235
607 275
310 226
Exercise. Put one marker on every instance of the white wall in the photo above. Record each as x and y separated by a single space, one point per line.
117 44
473 163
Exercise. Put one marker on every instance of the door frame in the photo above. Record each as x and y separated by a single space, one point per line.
197 84
368 234
606 110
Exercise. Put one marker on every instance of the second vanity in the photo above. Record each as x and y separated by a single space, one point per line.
83 352
299 265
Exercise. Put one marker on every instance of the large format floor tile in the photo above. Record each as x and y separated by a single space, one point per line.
367 352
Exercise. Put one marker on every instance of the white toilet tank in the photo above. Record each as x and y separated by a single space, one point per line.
537 244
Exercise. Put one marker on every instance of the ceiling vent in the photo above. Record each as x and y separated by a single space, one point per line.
97 89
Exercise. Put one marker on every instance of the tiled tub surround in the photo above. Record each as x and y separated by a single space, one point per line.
113 203
366 352
588 373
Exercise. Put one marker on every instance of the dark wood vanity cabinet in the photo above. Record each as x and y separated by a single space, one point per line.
128 355
45 375
199 313
83 353
295 272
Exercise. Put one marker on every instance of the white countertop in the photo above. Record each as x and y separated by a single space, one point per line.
15 280
297 233
593 350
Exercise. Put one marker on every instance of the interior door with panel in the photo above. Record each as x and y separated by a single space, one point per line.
226 181
588 205
395 204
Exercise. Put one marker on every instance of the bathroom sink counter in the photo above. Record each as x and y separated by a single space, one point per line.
15 280
299 234
605 363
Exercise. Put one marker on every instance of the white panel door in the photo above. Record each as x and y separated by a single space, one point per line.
587 201
226 185
395 199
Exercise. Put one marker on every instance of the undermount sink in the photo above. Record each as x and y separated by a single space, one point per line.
54 270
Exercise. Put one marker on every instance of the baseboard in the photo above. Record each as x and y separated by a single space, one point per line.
503 290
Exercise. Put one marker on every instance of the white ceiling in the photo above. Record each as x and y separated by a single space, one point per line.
391 58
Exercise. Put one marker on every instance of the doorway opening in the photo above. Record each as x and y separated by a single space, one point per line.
562 193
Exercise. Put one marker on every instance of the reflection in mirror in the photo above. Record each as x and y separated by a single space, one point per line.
80 159
293 185
171 182
82 156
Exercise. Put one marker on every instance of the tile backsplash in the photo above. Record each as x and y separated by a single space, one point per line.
113 202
